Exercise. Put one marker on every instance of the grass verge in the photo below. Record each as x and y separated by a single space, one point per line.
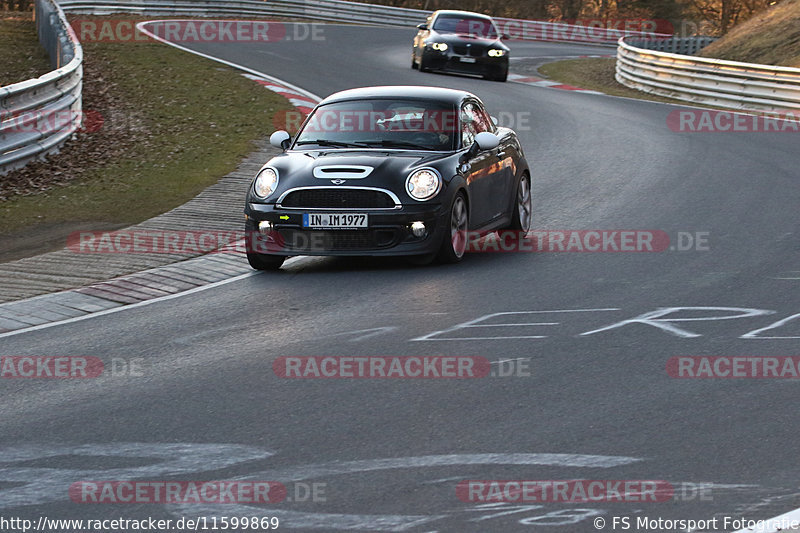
596 74
172 124
21 55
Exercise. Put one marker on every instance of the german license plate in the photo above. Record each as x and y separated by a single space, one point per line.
467 59
335 220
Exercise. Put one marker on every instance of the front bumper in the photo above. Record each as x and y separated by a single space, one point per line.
389 232
451 62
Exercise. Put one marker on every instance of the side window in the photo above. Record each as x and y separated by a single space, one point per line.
483 119
468 125
474 120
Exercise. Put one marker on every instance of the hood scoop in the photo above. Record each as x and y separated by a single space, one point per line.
342 172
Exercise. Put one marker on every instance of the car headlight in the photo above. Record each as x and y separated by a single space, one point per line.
423 184
496 52
439 46
266 183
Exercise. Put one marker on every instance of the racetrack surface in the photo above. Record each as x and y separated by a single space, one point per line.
390 453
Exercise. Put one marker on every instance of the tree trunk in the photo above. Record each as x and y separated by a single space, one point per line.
571 9
725 15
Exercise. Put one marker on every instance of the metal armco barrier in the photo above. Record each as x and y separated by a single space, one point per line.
674 45
37 116
342 11
322 10
729 84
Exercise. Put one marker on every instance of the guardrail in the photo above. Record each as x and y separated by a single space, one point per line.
322 10
728 84
37 116
674 45
343 11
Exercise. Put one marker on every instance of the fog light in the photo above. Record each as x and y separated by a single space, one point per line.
419 229
264 226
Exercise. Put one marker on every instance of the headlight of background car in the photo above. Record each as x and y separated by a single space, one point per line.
423 184
496 52
439 46
266 183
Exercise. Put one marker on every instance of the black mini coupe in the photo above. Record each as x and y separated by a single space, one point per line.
388 171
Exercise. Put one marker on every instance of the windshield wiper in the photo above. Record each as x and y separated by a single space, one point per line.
397 144
328 142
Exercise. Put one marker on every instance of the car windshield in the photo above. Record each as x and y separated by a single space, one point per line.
381 123
480 27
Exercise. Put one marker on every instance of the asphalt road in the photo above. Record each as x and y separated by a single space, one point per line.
389 454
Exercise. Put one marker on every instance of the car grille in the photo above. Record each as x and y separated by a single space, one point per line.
473 51
322 198
338 240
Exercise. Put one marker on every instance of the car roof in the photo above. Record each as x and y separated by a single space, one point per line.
460 13
415 92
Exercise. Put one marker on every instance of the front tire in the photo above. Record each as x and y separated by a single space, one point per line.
454 243
414 65
522 217
422 65
265 262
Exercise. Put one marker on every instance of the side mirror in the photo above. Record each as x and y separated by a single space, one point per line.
487 141
422 26
280 139
505 37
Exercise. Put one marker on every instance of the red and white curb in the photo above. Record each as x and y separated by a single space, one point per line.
301 101
550 84
541 82
142 27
